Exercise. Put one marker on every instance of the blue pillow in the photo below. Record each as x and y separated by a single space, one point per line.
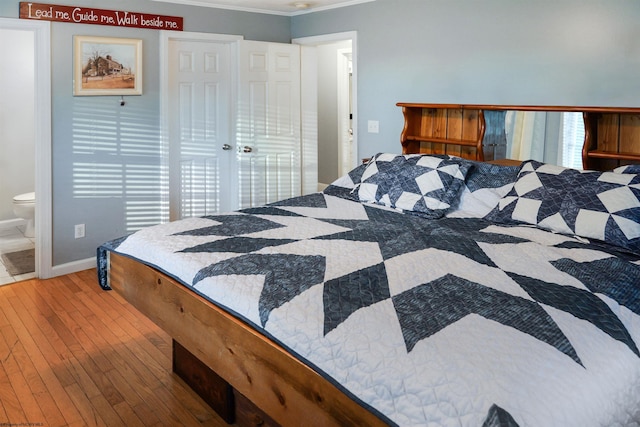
485 185
427 184
344 185
595 205
628 169
490 175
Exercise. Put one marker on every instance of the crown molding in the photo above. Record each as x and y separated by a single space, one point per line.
216 5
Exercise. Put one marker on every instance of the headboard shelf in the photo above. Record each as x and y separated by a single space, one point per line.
441 140
476 131
443 129
612 138
613 155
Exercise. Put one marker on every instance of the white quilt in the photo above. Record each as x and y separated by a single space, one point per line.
448 322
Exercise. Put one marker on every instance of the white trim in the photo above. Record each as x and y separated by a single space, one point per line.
213 4
12 223
165 36
42 77
327 38
330 7
336 37
44 202
74 266
345 150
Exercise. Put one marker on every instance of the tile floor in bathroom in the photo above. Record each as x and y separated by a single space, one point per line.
12 239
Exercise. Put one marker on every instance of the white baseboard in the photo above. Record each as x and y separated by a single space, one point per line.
73 267
10 223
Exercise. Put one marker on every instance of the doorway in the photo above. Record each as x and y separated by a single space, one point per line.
42 136
337 84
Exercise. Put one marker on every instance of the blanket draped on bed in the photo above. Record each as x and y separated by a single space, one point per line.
442 322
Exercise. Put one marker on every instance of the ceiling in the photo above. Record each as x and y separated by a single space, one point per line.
276 7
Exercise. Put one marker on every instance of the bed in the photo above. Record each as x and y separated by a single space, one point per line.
419 289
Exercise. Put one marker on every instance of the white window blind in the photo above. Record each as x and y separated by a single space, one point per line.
572 139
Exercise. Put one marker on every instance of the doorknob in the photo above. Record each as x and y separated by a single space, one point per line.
226 147
247 149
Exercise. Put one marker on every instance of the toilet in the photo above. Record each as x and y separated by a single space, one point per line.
24 206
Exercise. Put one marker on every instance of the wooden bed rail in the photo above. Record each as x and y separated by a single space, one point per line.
476 131
290 392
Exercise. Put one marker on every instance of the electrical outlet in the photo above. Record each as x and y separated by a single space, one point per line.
373 126
79 231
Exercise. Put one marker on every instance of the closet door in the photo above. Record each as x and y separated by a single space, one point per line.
268 123
201 148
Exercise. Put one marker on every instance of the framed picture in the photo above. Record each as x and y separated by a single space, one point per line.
107 66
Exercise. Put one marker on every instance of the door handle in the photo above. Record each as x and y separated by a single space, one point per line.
226 147
247 149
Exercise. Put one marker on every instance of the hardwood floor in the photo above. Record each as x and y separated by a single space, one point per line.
72 354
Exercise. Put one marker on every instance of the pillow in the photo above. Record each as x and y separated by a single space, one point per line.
344 185
427 184
628 169
351 179
485 185
596 205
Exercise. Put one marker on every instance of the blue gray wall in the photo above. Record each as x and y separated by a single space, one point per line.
548 52
78 122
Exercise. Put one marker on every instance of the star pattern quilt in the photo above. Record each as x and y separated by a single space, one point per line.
440 322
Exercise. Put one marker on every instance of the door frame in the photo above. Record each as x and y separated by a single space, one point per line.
165 38
42 118
343 58
333 38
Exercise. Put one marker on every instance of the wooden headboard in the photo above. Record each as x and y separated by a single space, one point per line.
474 131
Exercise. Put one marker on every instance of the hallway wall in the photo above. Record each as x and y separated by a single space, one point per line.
17 137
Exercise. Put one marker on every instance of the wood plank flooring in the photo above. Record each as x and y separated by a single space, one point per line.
72 354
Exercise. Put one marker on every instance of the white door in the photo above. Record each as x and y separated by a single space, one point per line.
268 122
201 146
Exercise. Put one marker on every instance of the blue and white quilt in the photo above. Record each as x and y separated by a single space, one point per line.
442 322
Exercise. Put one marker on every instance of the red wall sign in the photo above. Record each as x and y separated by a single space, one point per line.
89 15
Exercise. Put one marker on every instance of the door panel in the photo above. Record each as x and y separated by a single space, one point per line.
262 160
268 122
258 185
200 89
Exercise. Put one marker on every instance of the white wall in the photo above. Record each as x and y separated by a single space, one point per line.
17 136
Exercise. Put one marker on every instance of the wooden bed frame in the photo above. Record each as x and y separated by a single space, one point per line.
252 368
250 380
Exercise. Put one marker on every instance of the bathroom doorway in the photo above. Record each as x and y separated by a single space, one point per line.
337 103
26 144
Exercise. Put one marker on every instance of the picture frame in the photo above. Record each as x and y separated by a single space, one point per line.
107 66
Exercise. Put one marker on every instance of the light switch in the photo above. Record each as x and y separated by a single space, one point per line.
373 126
